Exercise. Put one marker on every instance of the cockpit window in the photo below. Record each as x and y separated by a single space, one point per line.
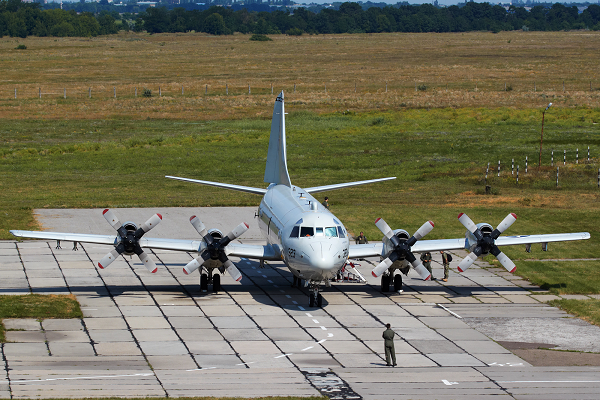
295 232
319 232
331 231
341 231
307 231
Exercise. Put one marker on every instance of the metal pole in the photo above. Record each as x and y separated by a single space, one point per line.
577 157
512 169
65 93
271 88
226 89
136 92
553 158
159 92
294 88
40 91
588 153
115 91
542 134
486 173
526 162
498 168
354 86
386 86
15 93
564 157
517 174
90 93
556 176
249 92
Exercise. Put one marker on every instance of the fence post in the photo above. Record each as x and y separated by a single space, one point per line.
115 91
15 93
498 168
563 86
90 93
226 89
272 88
598 177
517 174
486 173
40 91
159 92
136 91
386 86
65 93
249 92
577 156
556 176
588 153
525 164
564 157
512 169
325 88
552 158
294 88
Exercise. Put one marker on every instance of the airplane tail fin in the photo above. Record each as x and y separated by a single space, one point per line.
276 170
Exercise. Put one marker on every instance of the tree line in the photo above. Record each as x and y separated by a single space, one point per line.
22 19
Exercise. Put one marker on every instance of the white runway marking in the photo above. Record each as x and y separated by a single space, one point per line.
315 321
449 383
309 315
294 301
301 308
288 296
322 341
284 355
270 281
330 335
74 378
308 348
323 328
199 369
247 363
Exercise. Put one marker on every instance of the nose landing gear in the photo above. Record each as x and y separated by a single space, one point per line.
315 297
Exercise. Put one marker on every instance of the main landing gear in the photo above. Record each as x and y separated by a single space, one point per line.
389 279
210 279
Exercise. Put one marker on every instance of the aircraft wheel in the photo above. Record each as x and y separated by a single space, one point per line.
311 300
319 300
295 281
385 283
216 283
203 282
397 282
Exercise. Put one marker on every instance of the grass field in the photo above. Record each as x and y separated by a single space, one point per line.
106 152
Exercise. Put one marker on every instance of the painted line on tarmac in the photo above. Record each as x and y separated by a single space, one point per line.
75 378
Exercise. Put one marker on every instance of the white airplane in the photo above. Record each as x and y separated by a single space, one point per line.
302 233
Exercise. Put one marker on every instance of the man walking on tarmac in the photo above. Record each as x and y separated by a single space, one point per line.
388 336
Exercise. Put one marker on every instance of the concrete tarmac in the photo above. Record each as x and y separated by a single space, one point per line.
156 335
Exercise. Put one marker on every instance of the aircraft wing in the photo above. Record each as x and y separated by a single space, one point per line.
376 249
530 239
233 249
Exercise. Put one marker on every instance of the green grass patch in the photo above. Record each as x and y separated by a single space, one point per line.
588 310
37 306
563 277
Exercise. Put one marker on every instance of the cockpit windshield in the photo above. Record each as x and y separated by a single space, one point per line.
331 231
307 231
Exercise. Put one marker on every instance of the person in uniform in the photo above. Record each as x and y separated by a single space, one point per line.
326 203
390 352
361 239
426 260
446 265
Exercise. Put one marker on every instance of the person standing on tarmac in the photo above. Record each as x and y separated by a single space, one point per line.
446 265
426 260
326 203
390 352
361 239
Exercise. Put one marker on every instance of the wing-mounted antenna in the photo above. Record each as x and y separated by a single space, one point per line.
276 170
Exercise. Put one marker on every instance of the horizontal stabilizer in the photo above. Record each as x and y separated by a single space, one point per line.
246 189
318 189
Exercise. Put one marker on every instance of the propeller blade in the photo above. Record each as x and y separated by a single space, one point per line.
467 222
467 262
148 262
192 266
151 223
236 232
504 225
384 228
111 218
108 259
198 225
424 230
422 271
233 271
381 267
506 262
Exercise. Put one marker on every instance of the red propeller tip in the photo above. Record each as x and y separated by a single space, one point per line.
428 277
239 279
377 220
460 215
155 269
185 272
159 216
105 211
247 226
192 217
374 274
100 266
514 215
432 224
459 270
513 270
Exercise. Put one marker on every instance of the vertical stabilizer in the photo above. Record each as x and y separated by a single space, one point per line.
276 170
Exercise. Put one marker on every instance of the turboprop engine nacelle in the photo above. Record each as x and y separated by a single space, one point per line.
388 247
129 227
486 230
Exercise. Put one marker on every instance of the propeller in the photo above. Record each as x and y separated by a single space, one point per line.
215 249
129 241
486 243
402 249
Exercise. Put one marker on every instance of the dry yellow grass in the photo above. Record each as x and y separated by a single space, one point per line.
459 70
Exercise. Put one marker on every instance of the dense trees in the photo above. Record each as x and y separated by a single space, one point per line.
19 19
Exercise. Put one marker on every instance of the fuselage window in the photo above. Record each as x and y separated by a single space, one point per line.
341 232
331 231
319 232
295 232
307 231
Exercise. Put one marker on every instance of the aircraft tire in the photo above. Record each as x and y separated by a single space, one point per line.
295 281
385 283
397 282
319 300
216 283
203 282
